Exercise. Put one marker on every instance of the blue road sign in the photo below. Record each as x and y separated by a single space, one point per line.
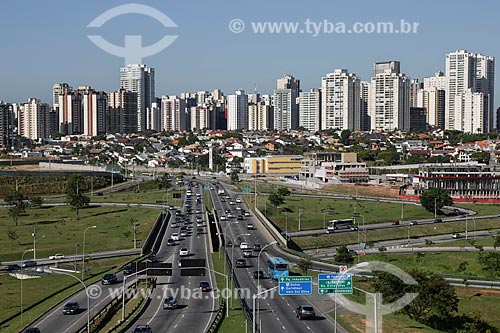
206 188
246 189
334 284
295 285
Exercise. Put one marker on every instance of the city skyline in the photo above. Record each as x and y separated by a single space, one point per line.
421 54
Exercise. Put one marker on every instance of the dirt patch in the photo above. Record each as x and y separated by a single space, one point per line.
368 190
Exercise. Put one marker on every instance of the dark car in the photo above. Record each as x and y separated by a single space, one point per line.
71 308
28 263
127 270
240 262
247 253
438 220
413 222
257 247
169 303
258 275
305 312
204 286
109 279
12 268
143 329
31 330
151 257
170 242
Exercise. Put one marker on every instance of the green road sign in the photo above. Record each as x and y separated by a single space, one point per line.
334 284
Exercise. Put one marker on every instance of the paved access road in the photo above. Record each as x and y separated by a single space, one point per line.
277 313
195 313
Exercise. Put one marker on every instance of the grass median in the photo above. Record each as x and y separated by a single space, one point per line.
34 290
59 231
237 320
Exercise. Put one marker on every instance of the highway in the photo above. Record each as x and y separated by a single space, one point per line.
55 321
194 314
276 312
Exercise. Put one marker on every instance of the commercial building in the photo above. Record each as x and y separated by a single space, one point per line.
464 181
334 167
418 119
274 164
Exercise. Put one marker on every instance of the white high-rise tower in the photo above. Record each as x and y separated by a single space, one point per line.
140 79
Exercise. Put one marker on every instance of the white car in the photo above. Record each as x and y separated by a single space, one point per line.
223 218
238 200
184 252
243 246
232 203
57 256
247 214
174 236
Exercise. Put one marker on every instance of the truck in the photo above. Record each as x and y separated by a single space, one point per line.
221 192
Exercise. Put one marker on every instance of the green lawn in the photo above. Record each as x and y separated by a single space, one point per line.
481 209
36 289
329 240
316 211
58 230
236 320
143 196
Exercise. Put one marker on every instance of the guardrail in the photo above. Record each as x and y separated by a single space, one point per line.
272 230
151 239
218 318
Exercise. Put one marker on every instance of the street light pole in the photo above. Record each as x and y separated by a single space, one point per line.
83 252
258 274
300 214
57 271
22 278
34 242
76 253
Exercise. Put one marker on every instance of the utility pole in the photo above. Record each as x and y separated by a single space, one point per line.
135 225
34 243
300 214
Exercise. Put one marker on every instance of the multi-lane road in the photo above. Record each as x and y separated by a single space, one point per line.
276 313
196 309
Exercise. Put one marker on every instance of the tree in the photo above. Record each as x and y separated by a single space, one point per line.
490 262
283 192
17 205
13 236
304 265
36 202
75 196
343 255
436 301
234 177
390 286
275 199
481 157
344 137
497 242
435 199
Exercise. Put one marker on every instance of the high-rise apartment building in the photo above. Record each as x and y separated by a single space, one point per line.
340 103
140 79
469 73
310 110
389 100
286 108
7 125
364 94
237 110
173 113
259 115
94 107
121 116
433 99
34 120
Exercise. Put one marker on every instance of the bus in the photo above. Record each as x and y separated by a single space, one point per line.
277 267
339 224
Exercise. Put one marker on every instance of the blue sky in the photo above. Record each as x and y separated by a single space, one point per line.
44 42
